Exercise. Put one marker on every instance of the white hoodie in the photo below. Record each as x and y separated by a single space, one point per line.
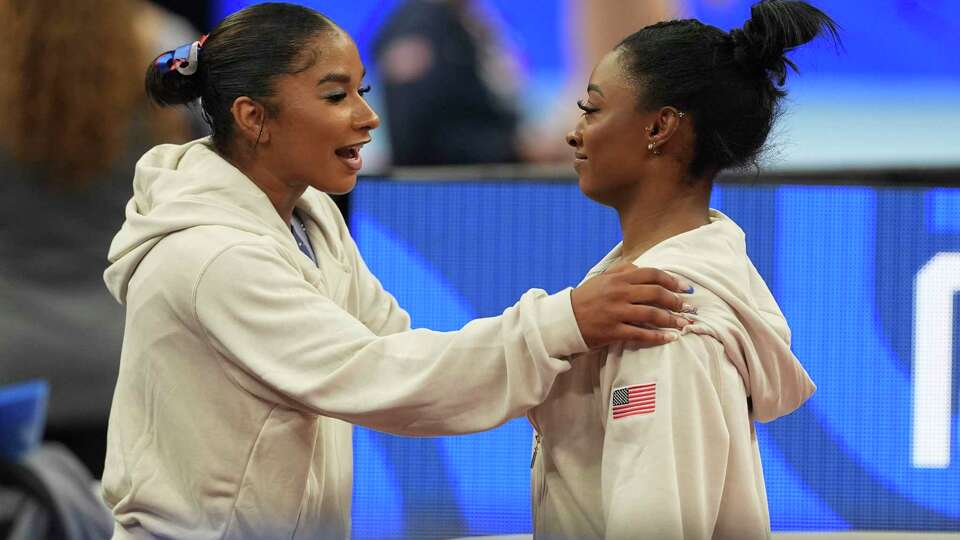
659 443
243 361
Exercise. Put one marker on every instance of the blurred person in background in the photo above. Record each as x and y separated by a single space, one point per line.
449 85
451 82
74 123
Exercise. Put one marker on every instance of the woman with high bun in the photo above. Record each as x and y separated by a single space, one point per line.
659 442
254 332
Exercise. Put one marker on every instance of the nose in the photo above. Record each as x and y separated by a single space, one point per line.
365 118
573 138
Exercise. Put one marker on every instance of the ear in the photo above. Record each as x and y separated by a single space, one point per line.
250 118
664 126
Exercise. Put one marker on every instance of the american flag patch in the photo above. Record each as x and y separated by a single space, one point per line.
631 400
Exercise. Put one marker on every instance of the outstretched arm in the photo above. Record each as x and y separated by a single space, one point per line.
284 340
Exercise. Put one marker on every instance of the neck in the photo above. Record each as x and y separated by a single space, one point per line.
282 195
659 212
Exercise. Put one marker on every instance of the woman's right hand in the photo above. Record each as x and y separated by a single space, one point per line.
630 304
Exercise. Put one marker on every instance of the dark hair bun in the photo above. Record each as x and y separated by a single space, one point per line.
775 28
170 87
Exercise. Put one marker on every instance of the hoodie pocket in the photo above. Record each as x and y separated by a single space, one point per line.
271 491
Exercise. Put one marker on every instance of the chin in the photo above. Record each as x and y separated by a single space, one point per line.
337 186
594 192
583 182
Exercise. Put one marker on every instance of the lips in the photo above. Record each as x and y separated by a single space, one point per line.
578 159
350 155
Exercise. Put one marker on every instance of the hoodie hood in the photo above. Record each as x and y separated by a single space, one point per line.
177 187
748 321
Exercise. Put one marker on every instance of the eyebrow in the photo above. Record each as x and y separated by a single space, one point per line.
594 88
339 77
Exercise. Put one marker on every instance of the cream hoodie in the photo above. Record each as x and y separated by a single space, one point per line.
659 443
243 362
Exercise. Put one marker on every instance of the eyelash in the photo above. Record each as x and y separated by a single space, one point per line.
340 97
584 108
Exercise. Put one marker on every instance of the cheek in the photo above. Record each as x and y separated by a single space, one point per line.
305 142
317 133
307 126
602 149
615 145
602 139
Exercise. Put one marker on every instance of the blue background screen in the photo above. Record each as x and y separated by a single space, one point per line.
842 262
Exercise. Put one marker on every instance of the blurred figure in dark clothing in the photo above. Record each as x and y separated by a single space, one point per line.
444 81
74 123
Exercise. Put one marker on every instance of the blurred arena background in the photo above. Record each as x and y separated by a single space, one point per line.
853 219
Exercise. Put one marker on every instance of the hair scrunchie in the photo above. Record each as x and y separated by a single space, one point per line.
184 58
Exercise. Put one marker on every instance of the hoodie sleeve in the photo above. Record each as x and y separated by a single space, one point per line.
665 443
285 341
677 450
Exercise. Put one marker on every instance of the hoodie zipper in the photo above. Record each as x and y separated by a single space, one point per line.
540 480
536 450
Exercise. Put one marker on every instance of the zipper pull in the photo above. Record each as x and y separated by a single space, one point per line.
536 449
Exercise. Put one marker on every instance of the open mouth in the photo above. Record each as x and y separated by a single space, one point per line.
350 155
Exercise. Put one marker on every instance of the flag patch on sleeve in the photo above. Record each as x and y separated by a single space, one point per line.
633 400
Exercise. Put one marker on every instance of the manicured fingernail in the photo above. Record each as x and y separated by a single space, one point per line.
686 287
687 308
670 336
681 322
